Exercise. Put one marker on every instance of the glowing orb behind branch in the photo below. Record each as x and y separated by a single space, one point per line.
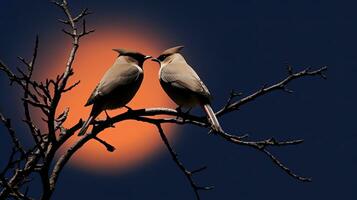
135 142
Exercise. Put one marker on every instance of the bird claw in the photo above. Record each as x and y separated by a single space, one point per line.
212 131
129 109
188 111
179 112
108 119
182 113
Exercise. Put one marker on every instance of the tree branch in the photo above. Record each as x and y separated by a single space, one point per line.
278 86
188 174
11 131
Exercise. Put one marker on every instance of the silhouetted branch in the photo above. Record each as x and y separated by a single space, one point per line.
11 131
108 146
278 86
261 146
71 87
187 173
45 96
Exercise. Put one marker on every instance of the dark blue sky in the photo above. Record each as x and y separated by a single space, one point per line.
233 45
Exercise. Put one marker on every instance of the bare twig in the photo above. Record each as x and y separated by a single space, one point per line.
108 146
261 146
71 87
187 173
11 131
278 86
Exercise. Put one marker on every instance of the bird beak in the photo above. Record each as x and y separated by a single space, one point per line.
120 51
147 57
155 60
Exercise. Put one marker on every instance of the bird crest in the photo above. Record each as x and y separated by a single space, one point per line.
172 50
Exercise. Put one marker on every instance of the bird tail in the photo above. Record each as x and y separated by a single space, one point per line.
85 125
212 118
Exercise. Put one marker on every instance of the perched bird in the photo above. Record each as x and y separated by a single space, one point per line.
118 85
183 85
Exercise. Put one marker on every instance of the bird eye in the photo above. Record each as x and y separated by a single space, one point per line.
162 57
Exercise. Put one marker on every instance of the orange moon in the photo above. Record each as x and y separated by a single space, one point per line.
135 142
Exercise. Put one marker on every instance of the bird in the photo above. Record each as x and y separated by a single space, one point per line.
183 85
118 85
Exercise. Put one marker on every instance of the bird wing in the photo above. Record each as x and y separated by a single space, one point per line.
91 98
119 75
182 76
